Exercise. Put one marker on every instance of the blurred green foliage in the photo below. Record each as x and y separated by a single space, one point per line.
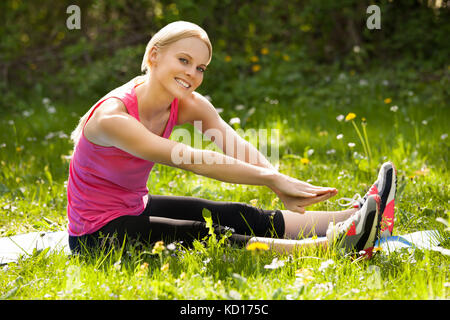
40 55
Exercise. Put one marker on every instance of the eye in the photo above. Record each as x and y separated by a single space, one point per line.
183 60
201 69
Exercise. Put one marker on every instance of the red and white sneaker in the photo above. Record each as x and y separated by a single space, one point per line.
360 231
385 186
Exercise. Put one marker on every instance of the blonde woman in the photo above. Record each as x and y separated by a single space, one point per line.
120 138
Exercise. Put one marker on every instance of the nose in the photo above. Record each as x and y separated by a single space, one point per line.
190 71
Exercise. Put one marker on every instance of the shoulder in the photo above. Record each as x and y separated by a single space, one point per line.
195 108
103 117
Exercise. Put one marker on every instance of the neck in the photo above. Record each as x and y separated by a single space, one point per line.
152 98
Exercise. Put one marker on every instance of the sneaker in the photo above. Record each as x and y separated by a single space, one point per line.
385 186
360 231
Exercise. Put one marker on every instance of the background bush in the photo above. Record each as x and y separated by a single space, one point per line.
40 55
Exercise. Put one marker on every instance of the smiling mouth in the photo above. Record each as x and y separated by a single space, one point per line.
183 83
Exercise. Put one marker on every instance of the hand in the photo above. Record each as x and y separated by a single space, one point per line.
298 204
296 194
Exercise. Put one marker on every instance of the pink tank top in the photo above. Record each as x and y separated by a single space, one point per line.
106 182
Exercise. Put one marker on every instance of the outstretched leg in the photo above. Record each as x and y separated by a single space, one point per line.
311 223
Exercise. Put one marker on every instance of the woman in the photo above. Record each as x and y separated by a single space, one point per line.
120 138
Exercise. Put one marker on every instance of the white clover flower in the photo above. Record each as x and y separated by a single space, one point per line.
235 120
339 136
394 108
326 264
275 264
239 107
51 109
444 136
331 151
351 144
340 117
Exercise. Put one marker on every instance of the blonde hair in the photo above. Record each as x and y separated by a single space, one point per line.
171 33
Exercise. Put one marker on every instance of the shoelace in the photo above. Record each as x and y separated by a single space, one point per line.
351 201
357 198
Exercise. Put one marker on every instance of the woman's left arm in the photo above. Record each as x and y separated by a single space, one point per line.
198 111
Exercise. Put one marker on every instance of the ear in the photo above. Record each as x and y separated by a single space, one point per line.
153 56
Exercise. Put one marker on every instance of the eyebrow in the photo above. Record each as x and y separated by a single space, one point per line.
201 64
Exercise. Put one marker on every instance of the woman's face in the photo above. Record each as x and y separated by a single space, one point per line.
179 67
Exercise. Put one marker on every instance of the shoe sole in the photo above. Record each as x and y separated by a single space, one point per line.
371 229
366 243
388 201
374 232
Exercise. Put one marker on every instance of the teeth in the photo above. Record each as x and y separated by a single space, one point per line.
184 84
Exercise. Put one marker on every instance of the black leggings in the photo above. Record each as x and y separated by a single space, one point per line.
177 218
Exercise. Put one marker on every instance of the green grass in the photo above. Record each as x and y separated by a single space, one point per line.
34 142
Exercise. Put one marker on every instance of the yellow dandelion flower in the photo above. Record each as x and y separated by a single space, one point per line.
257 246
254 59
304 161
158 247
264 51
254 202
387 100
144 266
422 172
256 67
275 202
142 269
286 57
303 272
227 58
350 116
165 267
305 27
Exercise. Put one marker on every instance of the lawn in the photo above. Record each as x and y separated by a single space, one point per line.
405 116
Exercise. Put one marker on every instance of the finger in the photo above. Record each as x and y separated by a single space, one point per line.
317 188
320 198
319 192
306 194
300 210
